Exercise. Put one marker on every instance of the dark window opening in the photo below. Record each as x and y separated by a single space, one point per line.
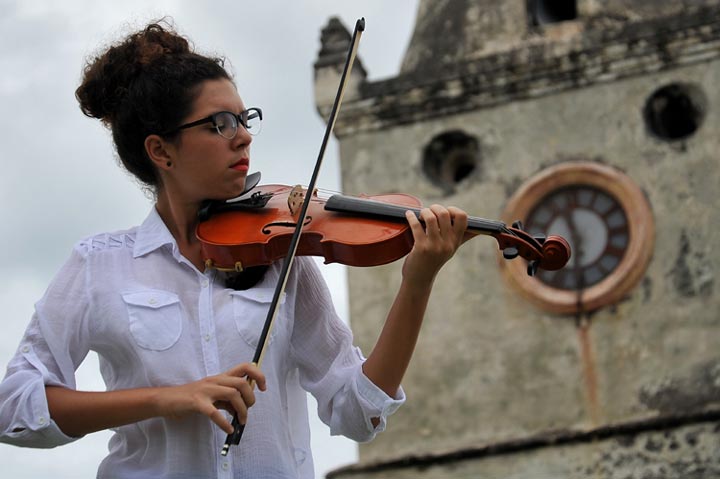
675 111
450 158
542 12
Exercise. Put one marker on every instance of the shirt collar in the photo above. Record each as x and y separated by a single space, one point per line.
152 234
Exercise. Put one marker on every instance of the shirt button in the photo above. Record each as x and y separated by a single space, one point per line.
152 301
225 466
205 283
207 337
300 456
26 349
41 420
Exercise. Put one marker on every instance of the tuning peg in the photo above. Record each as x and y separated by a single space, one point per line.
532 268
510 252
517 225
540 238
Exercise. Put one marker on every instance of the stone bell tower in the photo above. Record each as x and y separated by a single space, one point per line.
596 120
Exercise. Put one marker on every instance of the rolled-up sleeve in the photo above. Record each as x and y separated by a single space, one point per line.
331 367
376 401
53 346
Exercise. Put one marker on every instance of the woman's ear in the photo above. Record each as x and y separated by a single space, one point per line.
159 151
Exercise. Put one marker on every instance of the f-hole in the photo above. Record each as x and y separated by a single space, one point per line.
267 229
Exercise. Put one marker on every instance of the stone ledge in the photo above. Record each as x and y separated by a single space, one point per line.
533 71
545 440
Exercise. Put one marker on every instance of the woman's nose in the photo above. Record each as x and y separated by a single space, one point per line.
243 137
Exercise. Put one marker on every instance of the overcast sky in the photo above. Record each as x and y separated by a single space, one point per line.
60 180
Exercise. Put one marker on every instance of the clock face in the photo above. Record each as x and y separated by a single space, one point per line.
595 225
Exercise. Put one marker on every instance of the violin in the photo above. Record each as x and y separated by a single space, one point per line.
256 228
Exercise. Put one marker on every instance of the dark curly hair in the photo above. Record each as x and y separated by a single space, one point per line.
144 85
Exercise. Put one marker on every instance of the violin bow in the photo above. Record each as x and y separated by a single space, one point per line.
234 437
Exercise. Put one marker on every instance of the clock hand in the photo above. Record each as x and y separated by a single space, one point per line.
577 267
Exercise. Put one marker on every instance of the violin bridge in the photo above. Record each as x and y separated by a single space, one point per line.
295 199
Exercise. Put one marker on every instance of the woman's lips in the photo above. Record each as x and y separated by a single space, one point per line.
242 165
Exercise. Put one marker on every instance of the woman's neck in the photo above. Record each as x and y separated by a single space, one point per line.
181 220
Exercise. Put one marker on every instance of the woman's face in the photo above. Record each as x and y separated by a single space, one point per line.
205 164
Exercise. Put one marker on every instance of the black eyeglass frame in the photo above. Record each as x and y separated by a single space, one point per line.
241 118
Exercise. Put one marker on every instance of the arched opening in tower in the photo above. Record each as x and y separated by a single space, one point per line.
675 111
451 157
542 12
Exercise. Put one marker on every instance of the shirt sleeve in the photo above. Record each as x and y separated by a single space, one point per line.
53 346
331 367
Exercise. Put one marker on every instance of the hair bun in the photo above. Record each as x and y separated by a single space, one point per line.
154 42
108 78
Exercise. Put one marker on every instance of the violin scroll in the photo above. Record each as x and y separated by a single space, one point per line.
551 253
556 253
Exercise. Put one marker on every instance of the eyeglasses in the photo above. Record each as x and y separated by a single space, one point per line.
226 123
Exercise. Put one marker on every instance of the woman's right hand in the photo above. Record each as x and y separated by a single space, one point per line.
231 391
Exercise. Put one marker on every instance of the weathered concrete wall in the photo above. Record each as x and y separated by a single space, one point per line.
448 32
497 387
491 367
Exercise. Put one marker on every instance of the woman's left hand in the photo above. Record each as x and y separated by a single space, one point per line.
440 234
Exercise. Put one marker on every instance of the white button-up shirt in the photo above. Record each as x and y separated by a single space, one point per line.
155 320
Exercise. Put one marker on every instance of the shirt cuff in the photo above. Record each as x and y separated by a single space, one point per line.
31 424
48 437
377 402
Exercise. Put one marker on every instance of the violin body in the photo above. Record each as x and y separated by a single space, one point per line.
253 236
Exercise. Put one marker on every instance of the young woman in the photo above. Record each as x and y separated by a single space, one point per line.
174 340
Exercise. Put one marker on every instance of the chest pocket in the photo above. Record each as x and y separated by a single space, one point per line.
154 318
250 309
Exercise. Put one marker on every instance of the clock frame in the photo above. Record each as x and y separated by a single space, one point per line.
633 253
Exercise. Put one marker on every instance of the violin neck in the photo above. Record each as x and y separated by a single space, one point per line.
378 209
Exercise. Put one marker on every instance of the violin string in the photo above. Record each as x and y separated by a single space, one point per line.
328 192
324 193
